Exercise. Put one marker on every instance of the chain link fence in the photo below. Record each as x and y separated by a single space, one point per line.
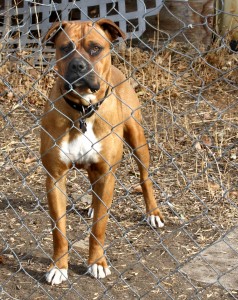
181 58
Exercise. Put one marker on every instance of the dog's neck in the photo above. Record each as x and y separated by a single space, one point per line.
85 111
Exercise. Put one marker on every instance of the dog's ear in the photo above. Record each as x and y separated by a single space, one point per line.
111 29
53 32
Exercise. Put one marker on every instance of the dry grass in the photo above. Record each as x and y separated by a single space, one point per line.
189 103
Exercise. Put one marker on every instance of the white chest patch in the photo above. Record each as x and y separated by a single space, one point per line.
84 149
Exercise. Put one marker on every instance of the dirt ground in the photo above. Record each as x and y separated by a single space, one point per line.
217 262
189 103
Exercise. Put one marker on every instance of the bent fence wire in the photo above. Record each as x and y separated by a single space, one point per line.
188 94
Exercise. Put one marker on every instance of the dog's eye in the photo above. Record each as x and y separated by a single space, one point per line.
95 50
67 48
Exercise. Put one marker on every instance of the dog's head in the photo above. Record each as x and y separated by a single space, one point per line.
83 56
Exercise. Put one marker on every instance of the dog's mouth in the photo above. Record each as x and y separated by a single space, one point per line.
80 78
81 85
82 89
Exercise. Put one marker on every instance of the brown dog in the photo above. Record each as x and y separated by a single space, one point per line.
91 112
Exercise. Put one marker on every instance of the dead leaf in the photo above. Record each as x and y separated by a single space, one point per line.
30 160
207 141
198 146
87 199
207 116
137 188
10 95
213 187
234 194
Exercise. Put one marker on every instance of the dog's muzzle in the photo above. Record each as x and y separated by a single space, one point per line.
80 74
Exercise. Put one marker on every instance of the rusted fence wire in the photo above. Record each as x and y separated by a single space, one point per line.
181 58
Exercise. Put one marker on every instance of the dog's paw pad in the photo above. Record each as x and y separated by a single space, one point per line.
91 213
98 271
155 221
56 276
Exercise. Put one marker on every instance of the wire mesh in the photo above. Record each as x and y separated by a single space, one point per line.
186 79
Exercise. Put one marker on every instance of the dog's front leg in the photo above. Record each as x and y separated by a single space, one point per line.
56 194
135 137
103 186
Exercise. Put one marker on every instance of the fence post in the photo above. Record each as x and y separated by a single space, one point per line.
227 20
7 20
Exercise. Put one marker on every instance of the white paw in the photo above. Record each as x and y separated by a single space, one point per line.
98 271
56 276
91 213
155 221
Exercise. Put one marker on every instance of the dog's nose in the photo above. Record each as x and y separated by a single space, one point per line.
78 65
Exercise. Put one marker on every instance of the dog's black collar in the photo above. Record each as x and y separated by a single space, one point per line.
85 111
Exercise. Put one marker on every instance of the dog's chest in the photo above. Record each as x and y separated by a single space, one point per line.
83 149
